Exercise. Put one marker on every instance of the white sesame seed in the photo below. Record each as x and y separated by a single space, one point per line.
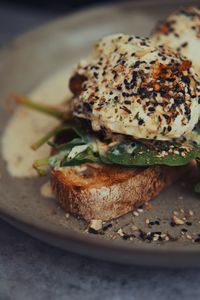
156 235
188 236
134 228
136 214
175 213
96 224
177 220
66 215
191 213
120 232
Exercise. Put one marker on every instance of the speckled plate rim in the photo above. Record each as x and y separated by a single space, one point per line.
92 245
112 251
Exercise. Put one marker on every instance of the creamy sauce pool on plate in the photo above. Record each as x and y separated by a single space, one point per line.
27 126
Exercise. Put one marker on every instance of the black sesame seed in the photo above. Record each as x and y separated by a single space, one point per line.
166 116
125 94
172 224
93 231
96 75
107 226
94 67
187 110
184 45
141 90
185 79
142 235
178 101
116 98
151 109
149 237
136 65
151 223
169 128
171 79
188 223
140 206
140 122
134 76
127 102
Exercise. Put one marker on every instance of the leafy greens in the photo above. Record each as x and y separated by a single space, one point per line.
87 148
84 147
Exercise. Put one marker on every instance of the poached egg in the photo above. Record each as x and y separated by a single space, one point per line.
132 88
181 32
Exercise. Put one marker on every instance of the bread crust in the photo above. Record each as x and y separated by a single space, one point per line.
108 192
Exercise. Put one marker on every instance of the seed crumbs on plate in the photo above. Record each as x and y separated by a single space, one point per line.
150 230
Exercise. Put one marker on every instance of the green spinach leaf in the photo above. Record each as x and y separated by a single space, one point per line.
141 155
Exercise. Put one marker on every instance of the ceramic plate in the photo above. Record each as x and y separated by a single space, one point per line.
28 61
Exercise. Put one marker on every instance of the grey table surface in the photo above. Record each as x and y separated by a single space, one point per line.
30 269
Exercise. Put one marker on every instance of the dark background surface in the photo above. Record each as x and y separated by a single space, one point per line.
60 6
30 269
18 16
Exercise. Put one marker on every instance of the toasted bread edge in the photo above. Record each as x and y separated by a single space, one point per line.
109 201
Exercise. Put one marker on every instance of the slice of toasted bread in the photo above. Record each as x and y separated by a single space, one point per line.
106 192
